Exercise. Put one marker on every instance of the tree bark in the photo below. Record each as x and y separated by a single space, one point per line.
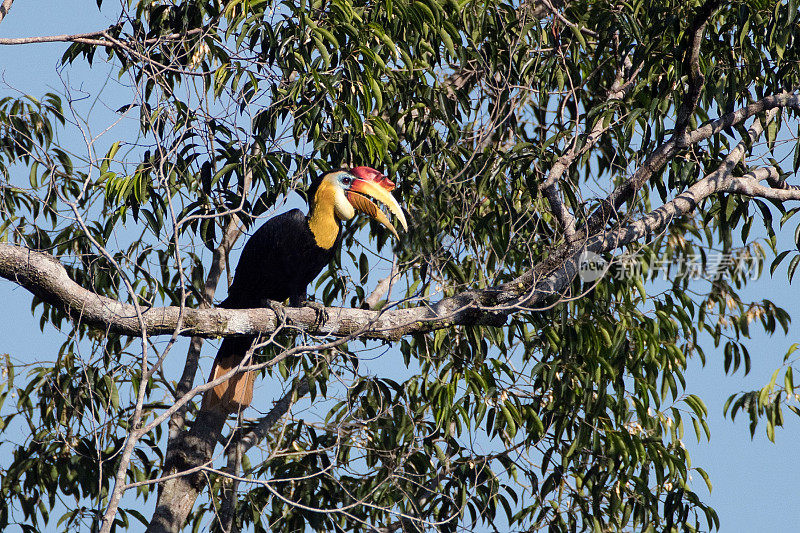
193 449
45 277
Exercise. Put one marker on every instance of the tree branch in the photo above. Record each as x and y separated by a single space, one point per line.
557 14
44 276
260 431
718 181
656 161
550 186
4 7
381 289
86 38
219 263
749 185
696 78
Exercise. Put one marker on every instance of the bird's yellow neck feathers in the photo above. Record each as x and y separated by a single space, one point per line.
322 219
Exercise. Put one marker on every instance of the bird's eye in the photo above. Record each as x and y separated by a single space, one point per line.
346 180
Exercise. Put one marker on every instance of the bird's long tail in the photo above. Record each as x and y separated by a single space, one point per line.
237 392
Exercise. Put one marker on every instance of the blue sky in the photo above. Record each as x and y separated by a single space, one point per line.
754 480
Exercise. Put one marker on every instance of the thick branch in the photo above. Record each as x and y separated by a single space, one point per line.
656 161
718 181
44 276
658 220
749 186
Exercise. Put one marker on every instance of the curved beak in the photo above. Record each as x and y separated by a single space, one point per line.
361 190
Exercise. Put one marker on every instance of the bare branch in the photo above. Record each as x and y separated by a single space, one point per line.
749 185
226 516
381 289
219 263
557 14
696 78
4 7
88 38
258 433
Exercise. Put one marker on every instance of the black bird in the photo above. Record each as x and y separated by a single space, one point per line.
285 255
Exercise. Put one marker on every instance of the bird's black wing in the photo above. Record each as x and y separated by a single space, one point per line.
278 262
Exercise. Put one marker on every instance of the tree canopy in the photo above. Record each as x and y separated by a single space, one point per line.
466 376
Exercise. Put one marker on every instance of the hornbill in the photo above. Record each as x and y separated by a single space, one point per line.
284 256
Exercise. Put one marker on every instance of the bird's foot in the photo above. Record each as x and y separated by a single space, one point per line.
319 309
280 312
